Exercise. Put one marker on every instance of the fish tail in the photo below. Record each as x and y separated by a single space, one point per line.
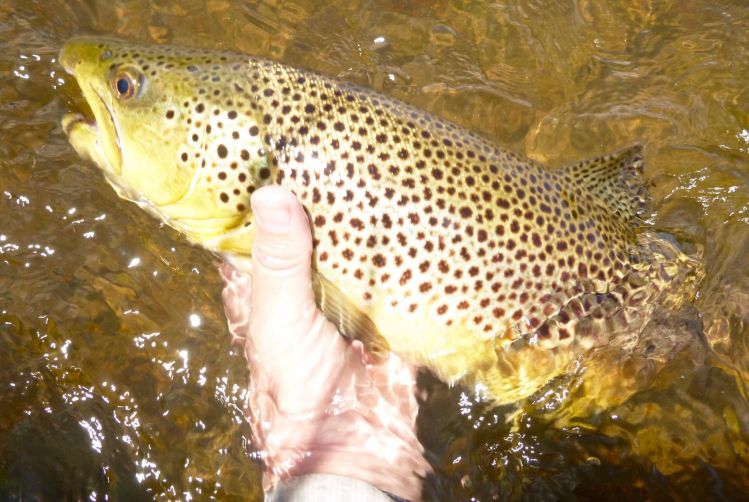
664 278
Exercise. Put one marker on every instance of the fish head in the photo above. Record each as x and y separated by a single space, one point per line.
165 133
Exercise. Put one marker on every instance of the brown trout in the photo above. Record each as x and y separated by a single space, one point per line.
429 240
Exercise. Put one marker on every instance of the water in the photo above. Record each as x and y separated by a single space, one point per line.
117 377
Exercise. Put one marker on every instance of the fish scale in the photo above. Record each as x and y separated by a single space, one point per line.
429 240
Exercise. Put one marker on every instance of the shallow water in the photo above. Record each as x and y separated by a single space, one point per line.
116 373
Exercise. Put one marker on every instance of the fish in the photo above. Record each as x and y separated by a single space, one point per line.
430 241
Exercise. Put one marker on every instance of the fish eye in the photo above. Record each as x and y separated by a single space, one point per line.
125 84
124 87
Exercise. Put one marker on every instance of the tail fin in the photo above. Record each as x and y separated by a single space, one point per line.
612 322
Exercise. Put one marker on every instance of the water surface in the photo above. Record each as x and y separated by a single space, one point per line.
117 378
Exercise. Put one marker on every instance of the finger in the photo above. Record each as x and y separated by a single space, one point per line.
300 351
236 299
282 298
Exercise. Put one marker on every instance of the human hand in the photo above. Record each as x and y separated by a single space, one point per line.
318 403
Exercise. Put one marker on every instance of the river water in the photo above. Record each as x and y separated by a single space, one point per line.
117 379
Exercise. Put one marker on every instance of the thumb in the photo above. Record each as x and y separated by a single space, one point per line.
283 239
282 297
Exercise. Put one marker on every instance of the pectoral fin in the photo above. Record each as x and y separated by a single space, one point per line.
349 319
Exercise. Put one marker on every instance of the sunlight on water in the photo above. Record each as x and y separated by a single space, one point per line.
117 375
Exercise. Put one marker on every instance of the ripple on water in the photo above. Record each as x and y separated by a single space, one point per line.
110 384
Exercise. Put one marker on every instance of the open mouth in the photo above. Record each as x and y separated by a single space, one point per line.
90 124
78 108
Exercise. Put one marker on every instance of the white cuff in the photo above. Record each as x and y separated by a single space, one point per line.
325 487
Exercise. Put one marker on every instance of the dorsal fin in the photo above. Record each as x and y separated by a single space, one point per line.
616 179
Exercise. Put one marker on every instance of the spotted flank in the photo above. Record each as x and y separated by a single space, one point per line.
430 241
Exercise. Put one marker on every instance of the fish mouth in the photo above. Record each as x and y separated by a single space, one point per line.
90 125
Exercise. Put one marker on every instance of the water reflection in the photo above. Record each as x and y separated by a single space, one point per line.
117 373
